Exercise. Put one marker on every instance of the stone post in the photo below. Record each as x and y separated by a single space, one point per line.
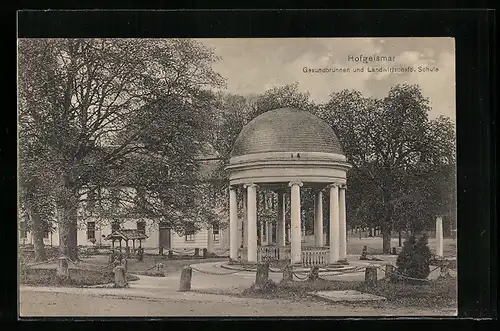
262 274
342 225
62 267
389 271
296 237
120 280
233 224
371 276
314 274
252 223
318 219
439 236
334 223
287 274
185 283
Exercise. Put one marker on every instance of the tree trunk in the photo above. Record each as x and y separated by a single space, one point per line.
386 230
399 239
386 226
37 227
66 216
386 242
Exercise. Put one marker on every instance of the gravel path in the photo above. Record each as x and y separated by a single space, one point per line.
52 303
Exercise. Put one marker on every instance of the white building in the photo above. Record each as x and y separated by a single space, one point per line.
92 231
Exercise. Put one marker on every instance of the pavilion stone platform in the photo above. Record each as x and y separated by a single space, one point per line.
281 153
296 268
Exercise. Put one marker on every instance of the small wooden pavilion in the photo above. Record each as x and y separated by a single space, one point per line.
126 235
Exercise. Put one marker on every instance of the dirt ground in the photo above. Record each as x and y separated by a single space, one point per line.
64 304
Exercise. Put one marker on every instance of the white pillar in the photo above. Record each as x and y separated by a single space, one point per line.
234 243
210 239
334 223
245 219
318 219
280 238
269 233
439 236
261 233
343 225
296 238
252 223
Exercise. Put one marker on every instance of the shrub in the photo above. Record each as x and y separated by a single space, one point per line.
414 259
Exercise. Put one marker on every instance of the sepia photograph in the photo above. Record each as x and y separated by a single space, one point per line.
227 177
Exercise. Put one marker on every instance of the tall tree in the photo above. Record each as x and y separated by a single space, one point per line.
91 101
391 144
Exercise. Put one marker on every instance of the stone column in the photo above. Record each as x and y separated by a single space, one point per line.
252 222
210 239
269 233
342 225
318 219
234 243
296 238
261 225
334 223
439 236
280 226
245 218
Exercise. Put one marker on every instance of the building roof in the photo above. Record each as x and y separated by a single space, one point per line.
126 234
286 130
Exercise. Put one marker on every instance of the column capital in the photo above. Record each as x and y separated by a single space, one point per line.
343 186
295 183
334 185
250 185
232 188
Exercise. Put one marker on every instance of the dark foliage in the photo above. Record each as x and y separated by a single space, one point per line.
414 259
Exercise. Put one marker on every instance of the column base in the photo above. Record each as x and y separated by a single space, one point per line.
342 262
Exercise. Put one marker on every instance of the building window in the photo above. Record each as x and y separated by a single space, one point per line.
189 234
216 232
90 230
141 227
115 226
24 232
46 230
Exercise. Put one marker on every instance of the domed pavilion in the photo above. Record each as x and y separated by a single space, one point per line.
285 150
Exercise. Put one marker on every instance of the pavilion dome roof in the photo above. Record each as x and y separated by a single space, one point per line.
286 130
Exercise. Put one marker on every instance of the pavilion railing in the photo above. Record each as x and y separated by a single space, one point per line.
273 253
315 257
311 256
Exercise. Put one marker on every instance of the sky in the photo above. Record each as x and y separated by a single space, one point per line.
255 65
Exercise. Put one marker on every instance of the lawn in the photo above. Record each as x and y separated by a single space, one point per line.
440 293
374 245
148 263
96 270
